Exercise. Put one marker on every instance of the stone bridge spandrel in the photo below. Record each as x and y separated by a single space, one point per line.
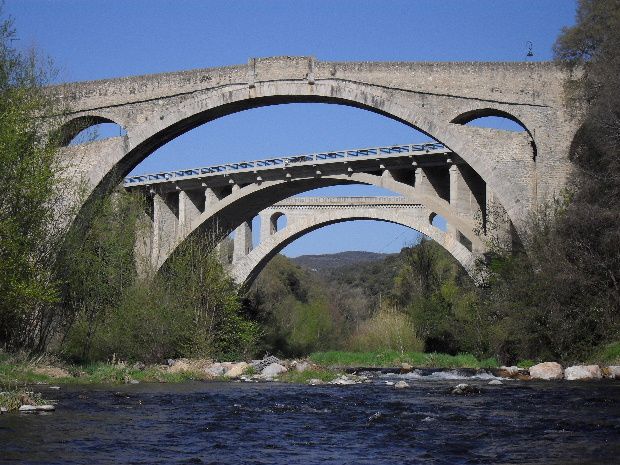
306 214
521 169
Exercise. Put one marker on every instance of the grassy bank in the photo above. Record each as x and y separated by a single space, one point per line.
12 373
394 358
13 398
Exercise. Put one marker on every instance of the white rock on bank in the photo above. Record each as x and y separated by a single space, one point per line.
3 410
28 409
301 366
613 371
236 370
583 372
45 408
343 381
216 369
401 385
273 369
546 371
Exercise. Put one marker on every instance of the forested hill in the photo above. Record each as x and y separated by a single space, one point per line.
326 262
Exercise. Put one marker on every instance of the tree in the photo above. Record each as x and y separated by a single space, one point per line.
30 177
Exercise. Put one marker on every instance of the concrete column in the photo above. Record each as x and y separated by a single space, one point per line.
463 199
422 183
211 198
165 225
188 210
266 227
242 241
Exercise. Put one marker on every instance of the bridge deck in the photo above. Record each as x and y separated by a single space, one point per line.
312 159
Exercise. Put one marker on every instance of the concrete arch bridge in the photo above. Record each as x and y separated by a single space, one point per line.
306 214
515 170
430 178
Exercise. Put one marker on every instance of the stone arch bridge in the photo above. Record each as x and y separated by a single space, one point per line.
306 214
515 171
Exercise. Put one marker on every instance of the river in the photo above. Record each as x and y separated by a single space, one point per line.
271 423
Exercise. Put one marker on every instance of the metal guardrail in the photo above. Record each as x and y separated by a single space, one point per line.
296 160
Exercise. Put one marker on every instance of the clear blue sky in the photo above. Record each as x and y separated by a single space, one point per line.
95 39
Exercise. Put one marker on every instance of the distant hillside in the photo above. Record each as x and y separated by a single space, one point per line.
328 262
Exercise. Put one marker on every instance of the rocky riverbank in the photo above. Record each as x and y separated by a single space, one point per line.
268 369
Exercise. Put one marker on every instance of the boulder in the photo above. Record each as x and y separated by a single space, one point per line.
401 385
405 367
45 408
583 372
178 366
546 371
260 365
495 382
343 380
216 369
315 381
507 372
612 371
236 370
465 389
28 409
3 410
302 366
273 369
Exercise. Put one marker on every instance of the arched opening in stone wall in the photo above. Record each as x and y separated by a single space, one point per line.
438 221
492 118
84 130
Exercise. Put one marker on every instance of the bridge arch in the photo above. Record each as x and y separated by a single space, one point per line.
71 128
246 202
168 121
247 269
472 115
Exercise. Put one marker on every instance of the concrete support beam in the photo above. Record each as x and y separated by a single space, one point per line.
165 225
189 210
243 241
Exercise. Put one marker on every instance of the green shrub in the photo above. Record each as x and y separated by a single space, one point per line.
387 330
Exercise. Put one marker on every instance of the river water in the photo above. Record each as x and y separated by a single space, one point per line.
271 423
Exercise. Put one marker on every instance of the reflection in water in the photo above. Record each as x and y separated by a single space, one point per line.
519 422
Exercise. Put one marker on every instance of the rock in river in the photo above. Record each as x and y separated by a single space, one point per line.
547 371
465 389
401 385
582 372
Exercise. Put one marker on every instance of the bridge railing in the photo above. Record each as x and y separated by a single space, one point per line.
314 158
